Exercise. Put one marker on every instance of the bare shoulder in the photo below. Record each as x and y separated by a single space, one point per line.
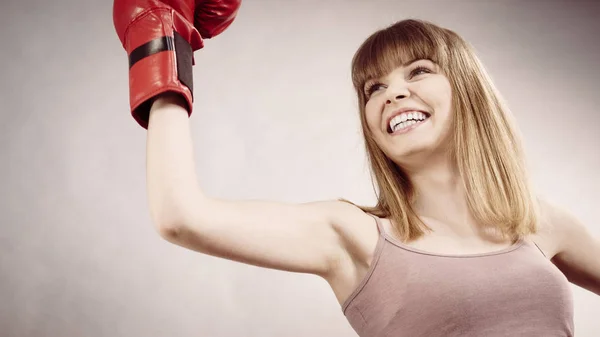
356 228
573 247
554 223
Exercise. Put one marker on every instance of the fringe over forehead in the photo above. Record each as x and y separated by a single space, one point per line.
397 45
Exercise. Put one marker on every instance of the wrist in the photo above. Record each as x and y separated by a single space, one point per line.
170 98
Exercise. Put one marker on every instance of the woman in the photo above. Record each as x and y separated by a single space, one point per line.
457 245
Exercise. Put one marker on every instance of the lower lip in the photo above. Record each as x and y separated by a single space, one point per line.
407 129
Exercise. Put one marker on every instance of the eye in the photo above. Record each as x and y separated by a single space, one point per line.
419 70
372 88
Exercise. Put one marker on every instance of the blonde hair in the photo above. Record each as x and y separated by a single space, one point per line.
486 144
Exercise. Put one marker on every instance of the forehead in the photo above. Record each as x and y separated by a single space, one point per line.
386 51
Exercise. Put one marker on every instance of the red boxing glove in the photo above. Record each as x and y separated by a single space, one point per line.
160 38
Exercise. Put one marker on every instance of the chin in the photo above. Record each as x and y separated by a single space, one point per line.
414 146
418 150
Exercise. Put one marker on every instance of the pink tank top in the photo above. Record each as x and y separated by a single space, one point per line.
513 292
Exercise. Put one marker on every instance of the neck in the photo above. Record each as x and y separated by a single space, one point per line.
441 196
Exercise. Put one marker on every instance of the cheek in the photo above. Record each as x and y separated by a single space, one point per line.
446 98
373 116
438 97
445 95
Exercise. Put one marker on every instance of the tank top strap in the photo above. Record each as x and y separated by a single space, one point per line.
379 225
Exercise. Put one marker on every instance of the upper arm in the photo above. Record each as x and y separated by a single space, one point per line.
305 238
577 250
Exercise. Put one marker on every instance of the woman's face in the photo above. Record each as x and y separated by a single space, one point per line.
408 111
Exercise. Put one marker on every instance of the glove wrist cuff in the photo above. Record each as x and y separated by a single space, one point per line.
161 61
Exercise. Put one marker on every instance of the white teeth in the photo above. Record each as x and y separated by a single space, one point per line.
406 119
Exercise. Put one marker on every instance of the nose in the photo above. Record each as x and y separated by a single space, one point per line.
397 94
395 99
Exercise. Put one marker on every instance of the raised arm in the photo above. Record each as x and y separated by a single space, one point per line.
308 238
160 37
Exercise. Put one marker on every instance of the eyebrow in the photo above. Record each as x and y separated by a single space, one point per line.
403 65
407 63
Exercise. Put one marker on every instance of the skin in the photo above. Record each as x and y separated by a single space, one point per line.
423 152
332 239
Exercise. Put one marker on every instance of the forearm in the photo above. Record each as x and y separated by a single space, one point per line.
171 174
148 30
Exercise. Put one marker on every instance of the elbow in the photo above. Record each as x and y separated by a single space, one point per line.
168 227
175 219
177 229
168 218
170 232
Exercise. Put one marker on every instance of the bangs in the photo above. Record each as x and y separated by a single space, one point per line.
397 45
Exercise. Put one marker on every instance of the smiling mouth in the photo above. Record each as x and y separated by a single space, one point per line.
406 121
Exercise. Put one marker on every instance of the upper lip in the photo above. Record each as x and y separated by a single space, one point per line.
400 111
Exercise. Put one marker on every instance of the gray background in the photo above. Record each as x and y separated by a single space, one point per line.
275 118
